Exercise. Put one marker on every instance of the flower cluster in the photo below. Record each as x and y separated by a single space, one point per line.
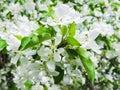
60 44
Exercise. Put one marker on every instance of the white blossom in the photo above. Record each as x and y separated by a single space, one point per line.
54 87
51 66
37 87
103 28
67 80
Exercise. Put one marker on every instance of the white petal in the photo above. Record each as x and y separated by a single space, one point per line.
15 59
29 52
51 66
67 80
58 39
45 80
57 57
37 87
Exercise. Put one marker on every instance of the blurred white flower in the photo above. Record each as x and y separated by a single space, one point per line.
83 80
94 59
29 5
44 5
57 56
45 79
85 9
58 38
20 26
54 87
14 8
49 21
12 41
117 48
109 77
20 76
103 28
29 52
41 74
67 80
98 13
64 14
110 54
79 1
37 86
44 52
87 39
47 42
27 71
51 66
15 58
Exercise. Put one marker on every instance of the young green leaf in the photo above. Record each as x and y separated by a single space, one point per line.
35 39
64 30
72 30
28 85
18 37
41 30
45 36
49 30
87 63
72 41
24 42
3 44
51 11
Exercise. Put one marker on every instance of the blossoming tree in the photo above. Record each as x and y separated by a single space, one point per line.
59 45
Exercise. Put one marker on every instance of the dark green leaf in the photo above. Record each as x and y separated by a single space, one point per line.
58 78
9 15
71 52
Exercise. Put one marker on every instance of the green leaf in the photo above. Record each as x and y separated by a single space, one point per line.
3 44
72 30
49 30
41 30
42 35
64 30
24 42
45 88
102 3
45 36
51 12
9 15
20 1
18 37
58 78
35 39
72 53
72 41
28 85
87 63
109 43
